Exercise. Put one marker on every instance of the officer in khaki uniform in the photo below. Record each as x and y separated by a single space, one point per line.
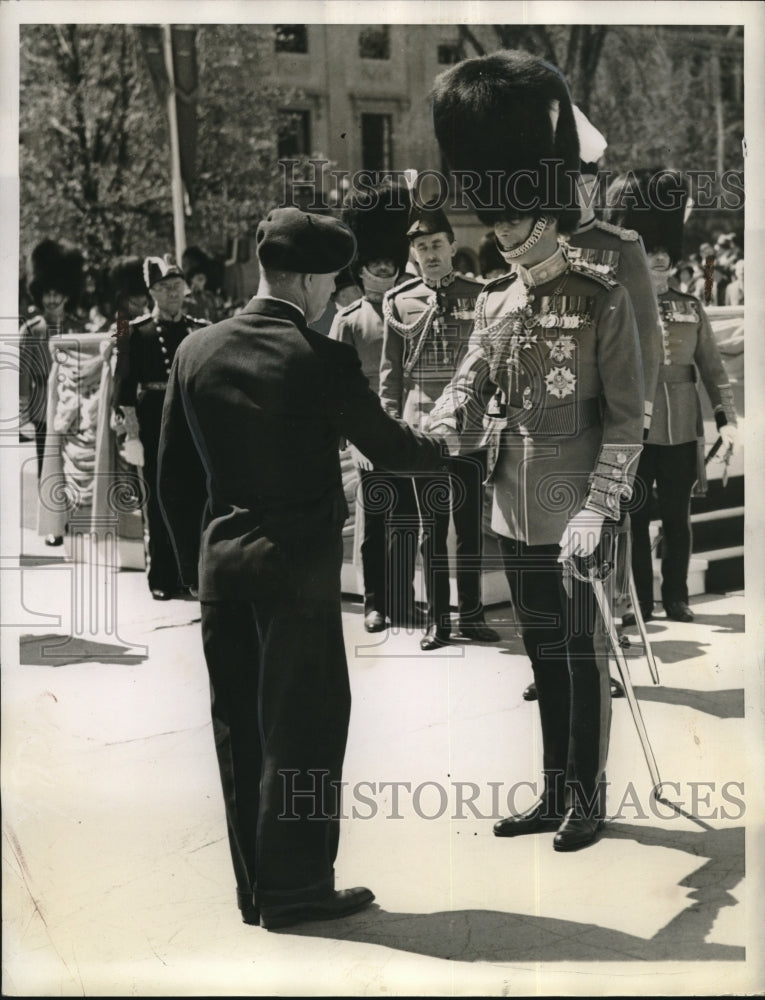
555 355
428 322
379 219
653 202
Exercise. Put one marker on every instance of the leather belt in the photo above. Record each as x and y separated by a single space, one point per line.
152 385
677 373
555 421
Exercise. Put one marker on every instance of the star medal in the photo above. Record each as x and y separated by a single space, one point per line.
560 382
561 349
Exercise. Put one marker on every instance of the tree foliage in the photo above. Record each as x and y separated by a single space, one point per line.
94 147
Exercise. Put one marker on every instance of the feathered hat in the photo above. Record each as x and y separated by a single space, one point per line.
56 266
379 218
507 119
158 268
427 219
651 201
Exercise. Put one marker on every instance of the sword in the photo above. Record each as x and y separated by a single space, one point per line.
639 620
594 569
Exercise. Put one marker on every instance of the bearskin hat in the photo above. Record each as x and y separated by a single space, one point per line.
58 266
195 261
507 120
651 201
126 278
379 217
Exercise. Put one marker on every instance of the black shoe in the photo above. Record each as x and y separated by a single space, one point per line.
435 638
250 915
539 818
628 620
477 630
54 539
339 903
161 595
576 831
678 611
374 621
530 693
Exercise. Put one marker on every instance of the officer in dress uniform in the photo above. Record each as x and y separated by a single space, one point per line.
253 418
618 253
555 347
55 281
428 321
654 202
379 219
145 352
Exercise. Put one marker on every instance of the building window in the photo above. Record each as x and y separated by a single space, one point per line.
449 53
294 134
291 38
374 42
376 142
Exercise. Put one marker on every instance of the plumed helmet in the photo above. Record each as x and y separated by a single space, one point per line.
651 201
379 217
508 120
427 219
55 265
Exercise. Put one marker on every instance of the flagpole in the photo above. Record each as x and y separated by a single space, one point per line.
176 183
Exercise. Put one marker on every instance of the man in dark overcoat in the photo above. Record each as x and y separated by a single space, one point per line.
251 487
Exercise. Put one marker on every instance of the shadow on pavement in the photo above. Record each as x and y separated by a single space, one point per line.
57 651
499 936
725 704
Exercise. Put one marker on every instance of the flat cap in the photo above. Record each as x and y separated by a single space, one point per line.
291 240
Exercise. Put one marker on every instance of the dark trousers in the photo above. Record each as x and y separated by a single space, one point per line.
163 569
280 708
460 493
389 546
674 470
564 640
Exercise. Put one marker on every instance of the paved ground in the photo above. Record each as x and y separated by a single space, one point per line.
116 875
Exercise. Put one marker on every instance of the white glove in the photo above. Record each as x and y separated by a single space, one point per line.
581 535
729 435
132 451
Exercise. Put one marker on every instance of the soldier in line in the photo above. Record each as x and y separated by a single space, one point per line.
146 347
556 346
379 219
653 202
55 281
428 321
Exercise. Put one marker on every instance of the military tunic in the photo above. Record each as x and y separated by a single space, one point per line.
673 458
387 562
426 336
619 254
145 355
555 354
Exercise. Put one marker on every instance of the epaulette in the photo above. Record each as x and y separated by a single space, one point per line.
495 282
586 270
351 307
629 235
199 320
141 319
468 280
404 286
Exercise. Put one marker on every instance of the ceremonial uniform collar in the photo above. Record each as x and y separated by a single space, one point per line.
547 270
440 282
